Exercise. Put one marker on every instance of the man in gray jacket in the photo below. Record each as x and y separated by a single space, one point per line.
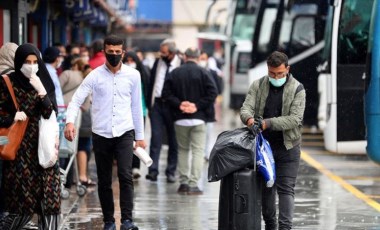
280 100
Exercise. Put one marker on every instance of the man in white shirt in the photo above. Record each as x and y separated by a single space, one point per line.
117 121
53 61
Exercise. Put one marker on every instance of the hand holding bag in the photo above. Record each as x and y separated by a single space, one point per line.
48 140
15 132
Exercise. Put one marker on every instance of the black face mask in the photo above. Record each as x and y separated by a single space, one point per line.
113 59
165 59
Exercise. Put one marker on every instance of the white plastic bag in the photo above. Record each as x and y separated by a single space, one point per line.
48 141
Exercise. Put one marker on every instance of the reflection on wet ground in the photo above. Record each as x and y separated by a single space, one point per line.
321 202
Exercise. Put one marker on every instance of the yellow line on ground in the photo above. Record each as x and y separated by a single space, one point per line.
374 196
308 159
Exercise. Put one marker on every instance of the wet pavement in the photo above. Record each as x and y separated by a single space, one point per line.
332 192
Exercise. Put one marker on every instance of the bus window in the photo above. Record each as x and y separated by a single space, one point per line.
244 20
266 30
243 63
354 30
303 35
328 35
243 28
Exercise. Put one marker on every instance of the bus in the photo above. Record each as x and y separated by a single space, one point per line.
295 27
372 80
241 22
341 85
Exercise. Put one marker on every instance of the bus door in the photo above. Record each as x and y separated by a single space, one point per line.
351 60
301 38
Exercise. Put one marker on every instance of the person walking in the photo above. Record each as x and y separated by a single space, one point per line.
160 114
53 61
28 187
280 100
117 122
97 59
203 62
131 59
191 92
7 54
70 80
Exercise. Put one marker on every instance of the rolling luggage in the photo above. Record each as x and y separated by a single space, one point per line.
240 201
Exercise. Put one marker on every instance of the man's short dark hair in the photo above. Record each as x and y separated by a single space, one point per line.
277 58
113 40
97 46
50 54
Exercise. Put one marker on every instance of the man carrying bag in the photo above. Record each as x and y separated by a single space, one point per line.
280 99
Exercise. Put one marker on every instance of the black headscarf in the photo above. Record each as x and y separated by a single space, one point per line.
139 67
22 52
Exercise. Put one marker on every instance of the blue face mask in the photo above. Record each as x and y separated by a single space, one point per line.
277 82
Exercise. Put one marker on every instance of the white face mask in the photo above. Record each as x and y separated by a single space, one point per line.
133 65
60 60
29 70
85 58
202 64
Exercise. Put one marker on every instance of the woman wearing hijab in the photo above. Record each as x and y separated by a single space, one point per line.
29 188
7 54
131 59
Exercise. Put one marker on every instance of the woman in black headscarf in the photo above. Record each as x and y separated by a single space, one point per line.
29 188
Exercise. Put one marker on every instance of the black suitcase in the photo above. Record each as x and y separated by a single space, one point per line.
240 201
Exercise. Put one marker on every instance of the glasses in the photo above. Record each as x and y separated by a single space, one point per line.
277 75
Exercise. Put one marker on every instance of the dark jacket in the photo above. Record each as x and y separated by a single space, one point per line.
152 80
193 83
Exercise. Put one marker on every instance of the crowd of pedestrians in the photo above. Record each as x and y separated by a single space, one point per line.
115 93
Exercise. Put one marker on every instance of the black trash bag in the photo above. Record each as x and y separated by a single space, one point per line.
233 150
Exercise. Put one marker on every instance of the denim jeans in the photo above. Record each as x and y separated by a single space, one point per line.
160 118
287 164
106 150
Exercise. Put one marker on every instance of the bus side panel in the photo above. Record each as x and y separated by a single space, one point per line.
350 104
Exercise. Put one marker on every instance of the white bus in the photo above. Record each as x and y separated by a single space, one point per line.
341 81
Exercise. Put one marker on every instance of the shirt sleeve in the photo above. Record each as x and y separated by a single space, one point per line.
136 108
79 96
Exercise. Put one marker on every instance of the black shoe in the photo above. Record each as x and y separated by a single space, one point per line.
170 178
109 226
194 191
136 173
183 189
151 176
128 225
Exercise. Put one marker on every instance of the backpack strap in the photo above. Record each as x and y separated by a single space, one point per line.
11 91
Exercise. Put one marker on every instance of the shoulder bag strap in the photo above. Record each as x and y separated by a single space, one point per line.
10 88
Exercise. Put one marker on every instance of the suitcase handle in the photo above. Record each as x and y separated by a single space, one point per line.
241 203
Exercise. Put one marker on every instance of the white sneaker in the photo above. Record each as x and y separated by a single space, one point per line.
30 225
136 173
